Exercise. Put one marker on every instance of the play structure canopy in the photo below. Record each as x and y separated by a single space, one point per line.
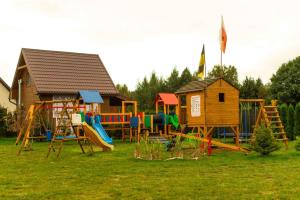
91 96
167 98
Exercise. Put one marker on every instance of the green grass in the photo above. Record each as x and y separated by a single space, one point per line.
117 175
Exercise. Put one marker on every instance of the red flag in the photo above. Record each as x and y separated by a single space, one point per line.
223 36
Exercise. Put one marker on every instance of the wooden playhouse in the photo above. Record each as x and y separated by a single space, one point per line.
206 105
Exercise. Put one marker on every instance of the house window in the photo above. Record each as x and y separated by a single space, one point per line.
221 97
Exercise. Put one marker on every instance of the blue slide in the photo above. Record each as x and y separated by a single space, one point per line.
100 130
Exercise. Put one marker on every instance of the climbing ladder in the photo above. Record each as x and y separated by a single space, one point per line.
271 118
64 125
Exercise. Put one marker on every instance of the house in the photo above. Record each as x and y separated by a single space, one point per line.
54 75
4 97
209 104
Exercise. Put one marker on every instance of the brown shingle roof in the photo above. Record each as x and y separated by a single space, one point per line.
195 86
67 72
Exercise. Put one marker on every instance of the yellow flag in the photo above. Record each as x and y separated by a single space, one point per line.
201 64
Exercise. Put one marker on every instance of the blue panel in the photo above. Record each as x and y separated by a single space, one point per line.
91 96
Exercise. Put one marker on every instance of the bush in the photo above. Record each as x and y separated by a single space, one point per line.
297 146
263 141
290 123
297 120
3 122
283 114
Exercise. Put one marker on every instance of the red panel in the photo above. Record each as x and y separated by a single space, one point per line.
168 98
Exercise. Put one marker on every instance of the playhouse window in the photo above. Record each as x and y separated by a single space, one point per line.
221 97
183 100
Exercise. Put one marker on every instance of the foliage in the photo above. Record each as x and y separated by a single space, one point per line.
147 90
124 91
290 123
173 81
176 151
285 84
251 88
297 145
297 120
3 121
228 73
263 141
283 114
186 77
149 150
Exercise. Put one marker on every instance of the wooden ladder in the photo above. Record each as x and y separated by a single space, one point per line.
272 120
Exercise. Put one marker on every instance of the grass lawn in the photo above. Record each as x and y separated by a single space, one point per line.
117 175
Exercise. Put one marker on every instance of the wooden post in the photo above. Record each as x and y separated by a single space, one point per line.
151 122
130 130
165 120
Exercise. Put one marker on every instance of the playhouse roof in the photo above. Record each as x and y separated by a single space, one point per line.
168 98
91 96
64 72
199 85
195 86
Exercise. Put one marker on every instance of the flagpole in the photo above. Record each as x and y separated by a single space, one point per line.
205 94
221 65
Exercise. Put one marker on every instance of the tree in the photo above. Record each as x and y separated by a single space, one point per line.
290 123
185 77
263 141
141 94
248 88
251 88
261 89
228 73
285 84
297 120
283 114
123 90
173 82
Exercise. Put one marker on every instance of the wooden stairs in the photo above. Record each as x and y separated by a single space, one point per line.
270 116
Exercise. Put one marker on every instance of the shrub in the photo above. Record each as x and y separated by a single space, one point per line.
290 123
283 113
297 146
263 141
3 122
297 120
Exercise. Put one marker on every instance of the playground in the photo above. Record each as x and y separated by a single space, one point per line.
118 175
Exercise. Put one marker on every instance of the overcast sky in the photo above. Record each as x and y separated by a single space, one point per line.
135 37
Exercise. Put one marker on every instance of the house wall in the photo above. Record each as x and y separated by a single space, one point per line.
222 113
4 94
195 120
28 91
107 108
217 113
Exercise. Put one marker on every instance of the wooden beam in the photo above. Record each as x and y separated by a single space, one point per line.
21 67
219 144
252 100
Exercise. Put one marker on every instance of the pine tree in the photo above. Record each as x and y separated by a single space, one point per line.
263 141
297 120
290 123
283 114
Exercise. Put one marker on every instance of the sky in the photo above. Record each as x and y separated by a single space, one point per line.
136 37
